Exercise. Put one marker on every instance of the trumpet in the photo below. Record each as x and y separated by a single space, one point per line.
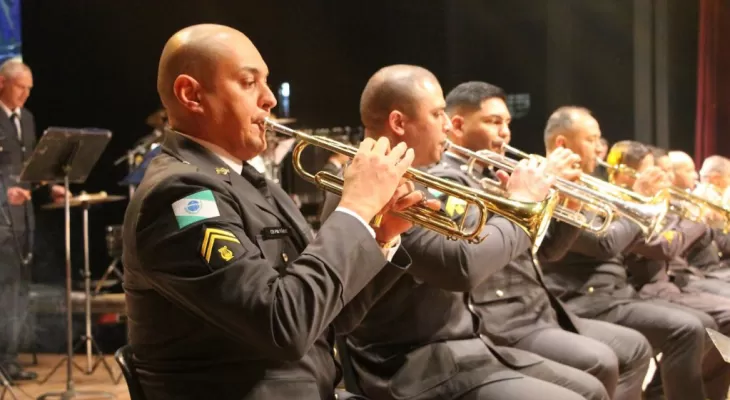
647 213
533 218
596 225
683 203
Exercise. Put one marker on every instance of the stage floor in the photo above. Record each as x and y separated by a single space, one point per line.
99 380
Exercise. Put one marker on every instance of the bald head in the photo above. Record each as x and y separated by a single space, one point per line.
715 165
680 157
396 87
685 175
565 121
195 51
212 82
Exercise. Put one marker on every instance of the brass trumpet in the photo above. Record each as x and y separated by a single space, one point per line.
683 203
603 211
648 213
531 217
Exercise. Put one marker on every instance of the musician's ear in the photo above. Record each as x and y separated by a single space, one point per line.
457 122
560 141
187 91
396 122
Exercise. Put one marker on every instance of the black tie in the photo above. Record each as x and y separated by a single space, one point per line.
258 180
13 118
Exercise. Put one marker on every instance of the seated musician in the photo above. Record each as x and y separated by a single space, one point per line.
228 295
421 340
515 307
701 268
651 274
592 281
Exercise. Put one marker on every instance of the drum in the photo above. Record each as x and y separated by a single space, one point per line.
114 240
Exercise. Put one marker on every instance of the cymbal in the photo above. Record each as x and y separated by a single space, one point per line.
85 198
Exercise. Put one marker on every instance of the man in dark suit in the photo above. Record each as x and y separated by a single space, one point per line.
17 140
228 294
592 281
515 306
421 340
700 268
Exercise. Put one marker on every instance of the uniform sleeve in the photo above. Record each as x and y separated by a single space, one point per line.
202 260
457 265
558 241
356 310
673 242
620 234
722 240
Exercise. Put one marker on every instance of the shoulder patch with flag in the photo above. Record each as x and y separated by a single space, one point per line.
195 207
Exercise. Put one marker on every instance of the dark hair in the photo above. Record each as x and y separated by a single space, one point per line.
470 95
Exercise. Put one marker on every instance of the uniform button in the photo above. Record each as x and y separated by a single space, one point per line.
590 289
334 351
284 257
500 293
471 307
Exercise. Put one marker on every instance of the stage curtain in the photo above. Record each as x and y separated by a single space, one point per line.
712 127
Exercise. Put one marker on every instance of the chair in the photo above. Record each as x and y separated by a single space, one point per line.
126 363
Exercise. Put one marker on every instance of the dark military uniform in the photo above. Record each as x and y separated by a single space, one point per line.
516 309
421 340
705 268
228 294
592 281
650 276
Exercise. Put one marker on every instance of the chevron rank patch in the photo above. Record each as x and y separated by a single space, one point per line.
219 247
455 206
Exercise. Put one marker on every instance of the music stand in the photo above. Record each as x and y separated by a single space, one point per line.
67 155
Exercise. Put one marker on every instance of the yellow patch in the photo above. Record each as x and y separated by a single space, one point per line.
222 171
455 206
210 237
669 236
225 253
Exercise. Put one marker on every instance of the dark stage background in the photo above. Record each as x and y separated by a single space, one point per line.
95 62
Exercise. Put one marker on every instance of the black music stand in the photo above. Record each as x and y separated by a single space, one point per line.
67 155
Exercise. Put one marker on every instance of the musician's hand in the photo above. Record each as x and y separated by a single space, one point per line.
529 181
563 163
651 181
373 176
58 193
405 196
17 196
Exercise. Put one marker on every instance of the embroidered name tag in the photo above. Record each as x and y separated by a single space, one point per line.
274 233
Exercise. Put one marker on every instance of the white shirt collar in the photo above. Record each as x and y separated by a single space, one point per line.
226 157
8 111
